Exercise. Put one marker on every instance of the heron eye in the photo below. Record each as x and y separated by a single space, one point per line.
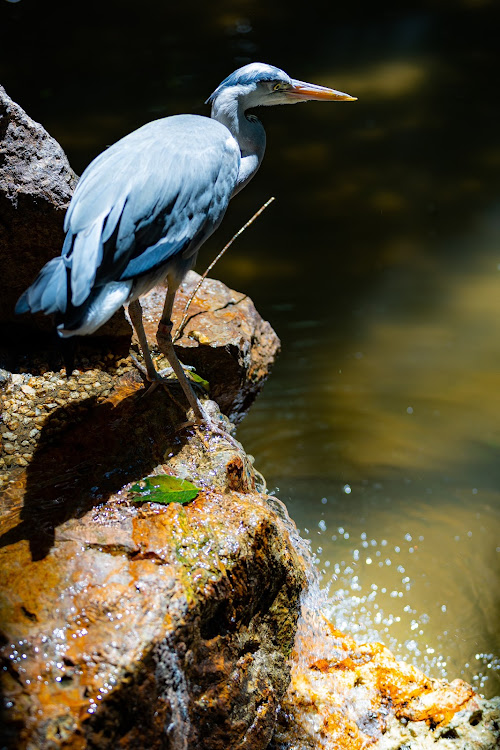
279 86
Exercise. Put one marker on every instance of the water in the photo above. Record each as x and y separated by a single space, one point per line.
384 441
378 265
384 444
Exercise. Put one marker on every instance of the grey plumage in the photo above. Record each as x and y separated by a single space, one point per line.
147 202
142 209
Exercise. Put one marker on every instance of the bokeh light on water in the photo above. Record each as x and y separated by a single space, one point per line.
378 265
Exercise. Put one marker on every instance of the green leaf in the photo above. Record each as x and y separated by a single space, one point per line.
198 379
164 489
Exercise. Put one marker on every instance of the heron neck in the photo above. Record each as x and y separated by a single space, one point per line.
248 132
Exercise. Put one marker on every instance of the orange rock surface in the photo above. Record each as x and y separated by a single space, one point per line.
152 622
347 696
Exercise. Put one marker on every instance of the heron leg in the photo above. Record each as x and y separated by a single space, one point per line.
135 312
164 339
155 377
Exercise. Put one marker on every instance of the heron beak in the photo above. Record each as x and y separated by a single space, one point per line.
309 91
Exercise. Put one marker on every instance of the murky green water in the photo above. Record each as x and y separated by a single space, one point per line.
378 265
384 444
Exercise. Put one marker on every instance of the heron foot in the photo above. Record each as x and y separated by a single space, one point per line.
200 421
201 418
160 377
207 424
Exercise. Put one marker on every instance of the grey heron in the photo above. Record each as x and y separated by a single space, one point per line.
142 209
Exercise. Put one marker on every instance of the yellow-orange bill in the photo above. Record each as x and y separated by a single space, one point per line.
302 90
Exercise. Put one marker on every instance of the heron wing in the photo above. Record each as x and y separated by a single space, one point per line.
157 193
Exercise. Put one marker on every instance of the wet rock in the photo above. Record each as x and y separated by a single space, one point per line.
152 626
135 626
346 696
224 338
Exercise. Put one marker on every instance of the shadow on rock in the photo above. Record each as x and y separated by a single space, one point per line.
86 452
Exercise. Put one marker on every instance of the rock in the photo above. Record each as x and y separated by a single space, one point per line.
177 620
346 696
83 438
80 426
151 627
36 185
224 338
135 626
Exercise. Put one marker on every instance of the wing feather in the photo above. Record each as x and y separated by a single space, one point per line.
86 259
158 192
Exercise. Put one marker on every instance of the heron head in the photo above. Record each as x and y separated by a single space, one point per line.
262 85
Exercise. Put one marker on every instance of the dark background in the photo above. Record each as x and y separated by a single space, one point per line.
92 72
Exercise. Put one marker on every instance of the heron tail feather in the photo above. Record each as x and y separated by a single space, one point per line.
49 292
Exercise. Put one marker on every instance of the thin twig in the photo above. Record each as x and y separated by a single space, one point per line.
212 264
